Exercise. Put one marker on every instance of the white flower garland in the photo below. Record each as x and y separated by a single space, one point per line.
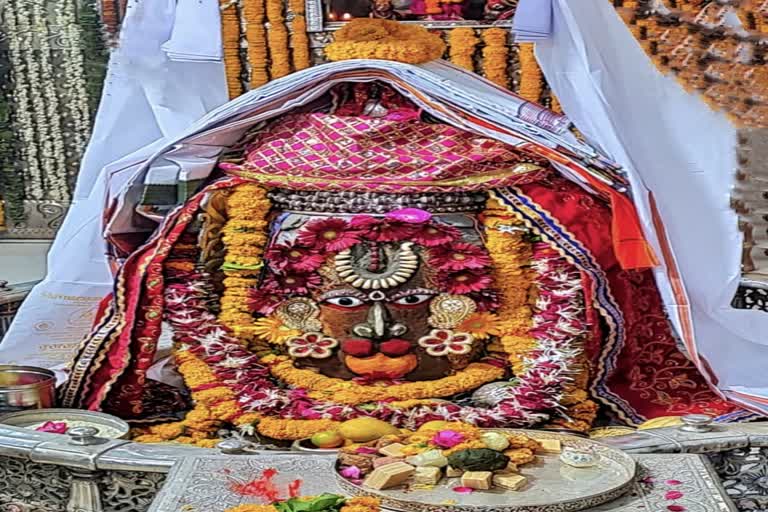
20 39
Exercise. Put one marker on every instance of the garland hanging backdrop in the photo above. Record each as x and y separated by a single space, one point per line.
49 92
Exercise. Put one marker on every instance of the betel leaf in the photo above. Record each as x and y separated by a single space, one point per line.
323 503
238 266
480 459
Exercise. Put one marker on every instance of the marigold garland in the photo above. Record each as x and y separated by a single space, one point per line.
244 239
299 39
255 34
285 429
322 387
230 39
531 78
368 38
462 43
277 36
495 56
359 504
511 257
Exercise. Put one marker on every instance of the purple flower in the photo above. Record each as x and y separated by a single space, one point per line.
351 472
447 438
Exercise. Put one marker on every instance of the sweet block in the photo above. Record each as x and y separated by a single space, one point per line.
390 475
452 472
550 446
480 480
392 450
509 481
427 476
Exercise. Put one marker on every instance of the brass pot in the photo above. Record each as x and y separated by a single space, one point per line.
26 387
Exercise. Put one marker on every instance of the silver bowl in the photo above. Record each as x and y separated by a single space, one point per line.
98 420
26 387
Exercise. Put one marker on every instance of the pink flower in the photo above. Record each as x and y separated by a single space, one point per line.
264 300
296 284
53 427
673 482
447 438
465 281
381 230
351 472
433 234
673 495
286 258
366 450
463 490
459 256
328 235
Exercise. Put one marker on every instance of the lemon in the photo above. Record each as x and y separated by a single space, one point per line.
434 425
362 430
327 439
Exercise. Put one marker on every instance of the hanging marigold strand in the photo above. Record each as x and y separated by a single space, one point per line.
230 39
462 43
277 36
299 39
253 13
495 55
531 79
556 106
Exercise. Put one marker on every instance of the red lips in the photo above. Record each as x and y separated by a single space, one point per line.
364 348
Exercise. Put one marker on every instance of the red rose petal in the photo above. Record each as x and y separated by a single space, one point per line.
676 508
674 482
673 495
463 490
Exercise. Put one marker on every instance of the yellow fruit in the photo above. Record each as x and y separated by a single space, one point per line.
363 430
327 439
433 425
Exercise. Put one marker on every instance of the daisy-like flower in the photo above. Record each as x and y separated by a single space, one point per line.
312 344
434 234
286 258
480 325
273 330
382 230
296 284
328 235
459 256
464 281
264 300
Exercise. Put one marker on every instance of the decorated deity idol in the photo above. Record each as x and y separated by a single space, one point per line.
370 252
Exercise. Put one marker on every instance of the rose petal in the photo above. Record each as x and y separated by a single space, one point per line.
463 490
352 472
676 508
366 450
673 495
674 482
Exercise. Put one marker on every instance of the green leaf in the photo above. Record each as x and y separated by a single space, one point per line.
238 266
323 503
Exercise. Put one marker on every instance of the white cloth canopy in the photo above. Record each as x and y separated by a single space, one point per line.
673 145
161 78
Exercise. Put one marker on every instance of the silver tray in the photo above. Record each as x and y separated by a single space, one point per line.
552 486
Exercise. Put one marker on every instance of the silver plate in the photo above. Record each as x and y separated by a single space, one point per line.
552 486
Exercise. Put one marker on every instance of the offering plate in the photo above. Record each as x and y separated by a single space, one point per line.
552 486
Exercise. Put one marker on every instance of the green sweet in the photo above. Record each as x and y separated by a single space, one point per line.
479 459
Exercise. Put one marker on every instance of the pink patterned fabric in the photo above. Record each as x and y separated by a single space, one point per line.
315 151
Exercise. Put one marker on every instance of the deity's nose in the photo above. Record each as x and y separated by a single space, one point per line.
378 324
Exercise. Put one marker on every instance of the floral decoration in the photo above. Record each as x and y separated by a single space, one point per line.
462 43
312 344
366 38
441 342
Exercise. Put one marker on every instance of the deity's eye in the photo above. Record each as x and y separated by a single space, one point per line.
413 300
345 302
